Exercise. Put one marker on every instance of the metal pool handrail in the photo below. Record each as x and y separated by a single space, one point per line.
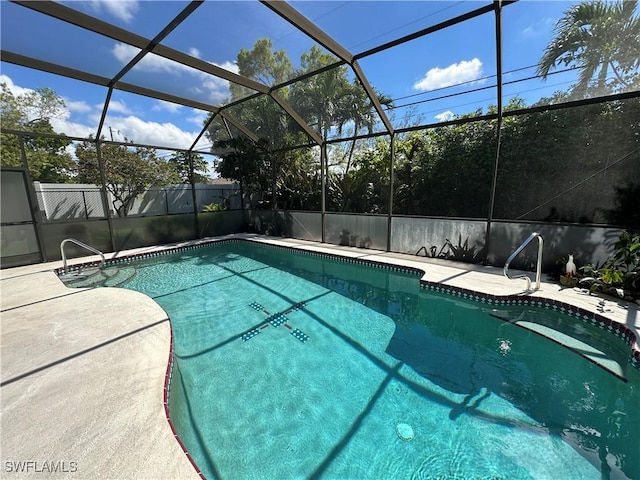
538 267
80 244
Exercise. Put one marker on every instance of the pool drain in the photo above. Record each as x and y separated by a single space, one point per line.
405 432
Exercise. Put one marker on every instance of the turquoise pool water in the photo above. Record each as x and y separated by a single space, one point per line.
293 366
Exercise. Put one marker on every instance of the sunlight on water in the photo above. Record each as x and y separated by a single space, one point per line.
292 366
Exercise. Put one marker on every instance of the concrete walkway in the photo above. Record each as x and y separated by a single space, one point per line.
82 382
82 370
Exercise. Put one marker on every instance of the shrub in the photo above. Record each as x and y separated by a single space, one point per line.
213 207
620 274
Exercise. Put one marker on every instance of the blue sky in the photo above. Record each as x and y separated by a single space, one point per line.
421 74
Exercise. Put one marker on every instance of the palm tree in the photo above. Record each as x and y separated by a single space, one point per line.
322 98
598 37
360 111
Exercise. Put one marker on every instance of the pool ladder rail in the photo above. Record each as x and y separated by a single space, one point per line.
80 244
538 266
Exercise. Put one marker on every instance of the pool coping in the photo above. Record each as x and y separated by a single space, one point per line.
489 285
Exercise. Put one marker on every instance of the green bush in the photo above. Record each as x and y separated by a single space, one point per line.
213 207
620 274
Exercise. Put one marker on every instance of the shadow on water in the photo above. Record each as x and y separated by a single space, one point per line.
195 425
355 425
392 373
456 345
466 351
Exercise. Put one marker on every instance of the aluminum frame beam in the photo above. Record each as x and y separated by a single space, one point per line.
190 8
56 69
307 27
87 22
296 117
82 20
302 23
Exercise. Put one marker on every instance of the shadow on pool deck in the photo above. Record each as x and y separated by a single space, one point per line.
82 382
83 371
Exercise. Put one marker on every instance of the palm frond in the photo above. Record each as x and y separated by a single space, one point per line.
598 37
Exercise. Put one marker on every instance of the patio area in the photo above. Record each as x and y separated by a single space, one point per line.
341 128
83 374
83 370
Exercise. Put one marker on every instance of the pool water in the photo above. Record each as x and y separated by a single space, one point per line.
289 366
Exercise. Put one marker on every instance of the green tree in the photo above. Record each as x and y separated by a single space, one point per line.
32 112
365 187
129 171
330 102
323 100
298 181
180 162
411 165
362 114
263 65
260 115
247 162
598 37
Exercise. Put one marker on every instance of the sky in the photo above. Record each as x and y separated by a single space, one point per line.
424 77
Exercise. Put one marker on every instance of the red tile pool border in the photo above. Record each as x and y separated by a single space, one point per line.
165 403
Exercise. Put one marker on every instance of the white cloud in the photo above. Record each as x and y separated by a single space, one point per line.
118 107
213 89
445 116
72 129
170 107
540 27
465 71
231 66
216 87
129 126
123 9
198 118
78 106
156 64
124 52
151 133
13 88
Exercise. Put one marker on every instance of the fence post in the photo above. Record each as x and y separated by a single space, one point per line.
105 201
391 173
194 196
323 183
84 201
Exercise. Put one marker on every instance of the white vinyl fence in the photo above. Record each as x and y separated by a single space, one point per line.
81 201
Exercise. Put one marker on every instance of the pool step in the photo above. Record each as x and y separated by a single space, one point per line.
575 337
97 277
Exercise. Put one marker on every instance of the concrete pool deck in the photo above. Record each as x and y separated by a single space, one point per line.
83 370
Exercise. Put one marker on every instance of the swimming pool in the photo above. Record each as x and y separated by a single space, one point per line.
289 365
